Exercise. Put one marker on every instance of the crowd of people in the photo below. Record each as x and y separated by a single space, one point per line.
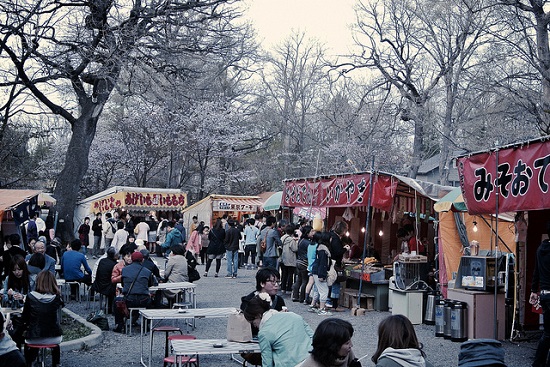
293 260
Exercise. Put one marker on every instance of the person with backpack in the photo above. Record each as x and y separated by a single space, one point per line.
109 228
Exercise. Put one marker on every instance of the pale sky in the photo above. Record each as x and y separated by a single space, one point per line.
326 20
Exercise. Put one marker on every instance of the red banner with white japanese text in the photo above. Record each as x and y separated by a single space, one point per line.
521 179
342 191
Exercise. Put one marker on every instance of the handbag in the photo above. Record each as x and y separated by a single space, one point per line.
263 243
98 318
340 274
193 274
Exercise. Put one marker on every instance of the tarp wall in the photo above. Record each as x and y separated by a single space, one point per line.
451 246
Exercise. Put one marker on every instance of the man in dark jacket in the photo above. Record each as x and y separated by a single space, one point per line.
540 294
337 251
136 280
232 238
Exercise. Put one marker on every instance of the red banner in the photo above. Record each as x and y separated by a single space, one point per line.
521 179
343 191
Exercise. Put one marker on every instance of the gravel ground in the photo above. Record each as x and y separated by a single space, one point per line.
122 350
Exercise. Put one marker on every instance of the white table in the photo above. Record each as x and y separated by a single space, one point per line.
149 315
196 347
185 287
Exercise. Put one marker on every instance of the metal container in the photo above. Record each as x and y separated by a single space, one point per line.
439 320
459 321
429 316
447 319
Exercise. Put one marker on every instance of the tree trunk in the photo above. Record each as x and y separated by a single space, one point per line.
76 165
543 50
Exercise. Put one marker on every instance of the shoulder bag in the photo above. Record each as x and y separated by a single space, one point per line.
120 303
263 243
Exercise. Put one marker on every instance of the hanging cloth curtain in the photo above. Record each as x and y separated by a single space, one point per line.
461 228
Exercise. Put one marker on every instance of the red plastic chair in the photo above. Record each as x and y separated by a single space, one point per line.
172 361
42 350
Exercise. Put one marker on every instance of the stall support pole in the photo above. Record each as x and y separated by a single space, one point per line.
495 326
367 233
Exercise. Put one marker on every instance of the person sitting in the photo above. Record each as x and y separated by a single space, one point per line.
136 280
398 345
102 283
10 355
284 337
268 281
36 264
16 287
42 317
40 248
332 345
126 254
71 263
12 249
173 238
176 270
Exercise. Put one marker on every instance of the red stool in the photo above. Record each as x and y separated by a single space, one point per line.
42 350
167 330
171 360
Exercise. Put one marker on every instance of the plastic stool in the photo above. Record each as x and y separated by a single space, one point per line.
42 351
166 330
171 360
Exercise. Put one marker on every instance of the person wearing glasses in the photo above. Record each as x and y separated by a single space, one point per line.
268 280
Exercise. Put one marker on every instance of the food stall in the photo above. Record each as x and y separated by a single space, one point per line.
15 207
140 202
215 206
396 200
522 185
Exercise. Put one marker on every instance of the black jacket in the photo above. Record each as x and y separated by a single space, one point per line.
41 316
232 238
541 275
216 245
102 283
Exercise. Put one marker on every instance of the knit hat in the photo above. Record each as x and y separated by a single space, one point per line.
145 253
137 256
481 352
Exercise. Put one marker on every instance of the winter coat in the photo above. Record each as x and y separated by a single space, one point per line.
194 243
102 283
41 315
290 247
541 275
232 238
322 262
176 271
343 362
217 239
410 357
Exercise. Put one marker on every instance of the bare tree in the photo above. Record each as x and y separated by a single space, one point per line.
68 58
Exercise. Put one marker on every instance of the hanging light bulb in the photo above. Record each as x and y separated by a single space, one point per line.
363 230
347 233
381 233
475 226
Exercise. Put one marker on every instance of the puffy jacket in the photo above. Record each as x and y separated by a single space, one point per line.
290 247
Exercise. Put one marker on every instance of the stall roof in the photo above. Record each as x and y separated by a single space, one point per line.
115 189
11 198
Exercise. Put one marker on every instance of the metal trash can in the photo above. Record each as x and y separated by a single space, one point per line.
459 321
429 316
447 319
439 321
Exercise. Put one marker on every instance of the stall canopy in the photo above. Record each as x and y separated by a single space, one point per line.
523 178
273 202
453 201
19 203
351 190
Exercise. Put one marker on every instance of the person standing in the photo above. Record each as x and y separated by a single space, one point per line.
121 236
97 226
251 233
540 294
193 225
109 228
204 243
152 235
232 238
288 258
216 247
142 229
84 235
195 242
129 225
32 229
299 287
337 251
273 241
